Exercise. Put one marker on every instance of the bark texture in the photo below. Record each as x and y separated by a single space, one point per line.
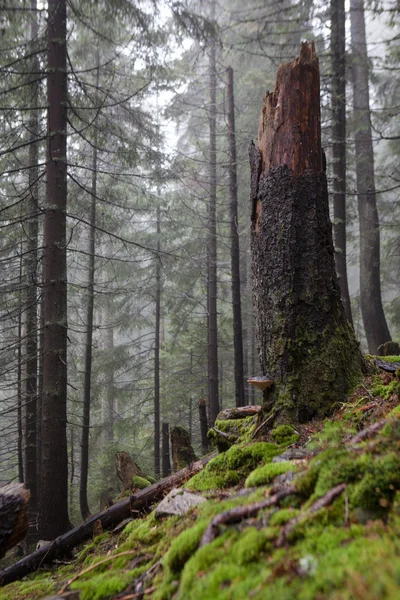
375 325
203 425
338 54
305 341
213 397
235 252
53 514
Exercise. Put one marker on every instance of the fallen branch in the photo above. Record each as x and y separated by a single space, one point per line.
235 515
368 432
320 503
108 518
222 434
267 420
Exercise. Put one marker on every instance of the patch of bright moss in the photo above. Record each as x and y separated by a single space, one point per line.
140 482
284 434
36 587
267 473
232 466
103 586
280 517
184 546
385 391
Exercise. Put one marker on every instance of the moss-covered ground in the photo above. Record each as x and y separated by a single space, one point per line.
347 550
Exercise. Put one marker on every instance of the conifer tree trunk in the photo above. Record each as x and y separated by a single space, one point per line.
212 242
376 328
306 344
338 53
31 262
87 386
54 488
157 354
235 253
203 425
19 380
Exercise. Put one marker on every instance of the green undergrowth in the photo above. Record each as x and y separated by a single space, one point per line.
346 550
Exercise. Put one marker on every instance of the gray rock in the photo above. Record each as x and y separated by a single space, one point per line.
178 502
65 596
292 454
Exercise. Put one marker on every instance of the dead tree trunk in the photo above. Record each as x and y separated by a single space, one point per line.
181 449
306 343
166 460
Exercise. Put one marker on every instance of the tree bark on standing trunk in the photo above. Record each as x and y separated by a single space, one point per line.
54 489
31 263
338 53
375 325
212 241
306 343
203 425
87 387
235 252
157 353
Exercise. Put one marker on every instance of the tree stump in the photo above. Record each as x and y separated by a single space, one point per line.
14 499
182 451
203 425
389 349
127 469
166 461
305 341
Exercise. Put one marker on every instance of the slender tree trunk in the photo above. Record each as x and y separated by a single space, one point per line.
376 328
203 425
166 460
157 354
212 245
338 53
253 357
307 345
31 322
110 394
19 379
245 323
40 397
87 386
235 252
54 493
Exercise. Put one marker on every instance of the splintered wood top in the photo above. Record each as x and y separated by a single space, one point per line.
289 131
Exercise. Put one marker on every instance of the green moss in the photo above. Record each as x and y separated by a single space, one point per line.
36 587
377 488
267 473
232 466
183 547
284 434
385 391
280 517
140 482
103 586
252 543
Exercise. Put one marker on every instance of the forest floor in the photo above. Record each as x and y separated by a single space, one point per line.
331 530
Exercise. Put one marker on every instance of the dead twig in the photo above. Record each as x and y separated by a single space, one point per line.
320 503
239 513
149 590
267 420
368 432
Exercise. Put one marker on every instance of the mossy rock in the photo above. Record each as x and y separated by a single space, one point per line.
284 435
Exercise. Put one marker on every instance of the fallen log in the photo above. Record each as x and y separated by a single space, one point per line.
240 412
108 519
14 500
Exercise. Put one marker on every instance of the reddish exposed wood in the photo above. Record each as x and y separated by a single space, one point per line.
289 131
109 518
240 412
